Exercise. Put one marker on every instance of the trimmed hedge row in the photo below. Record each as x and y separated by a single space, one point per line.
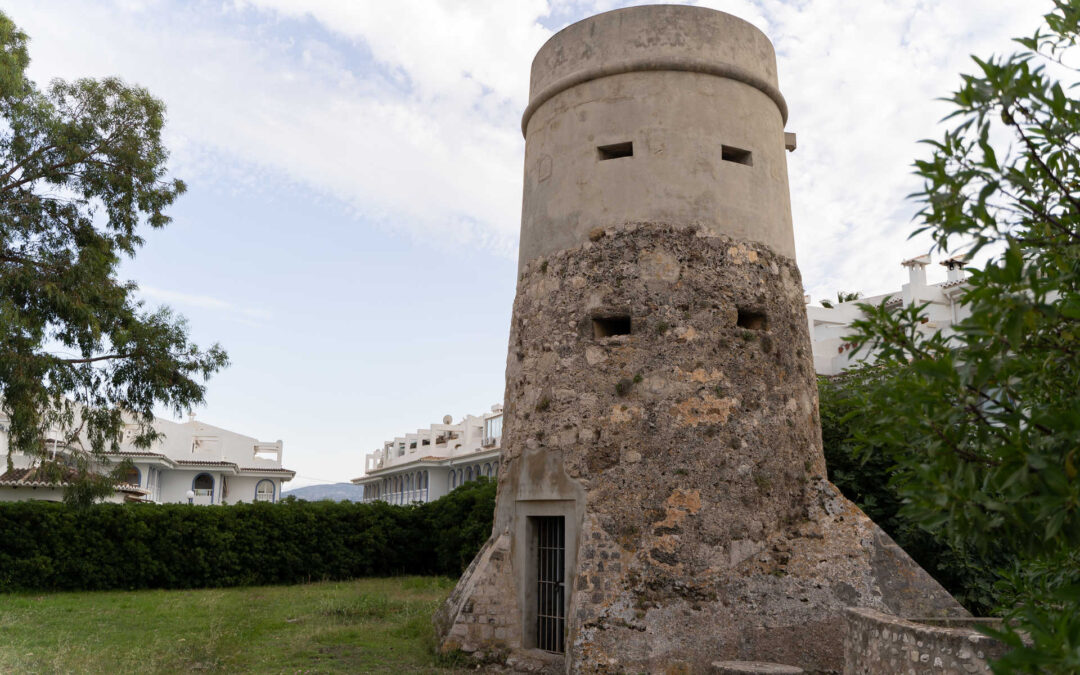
51 546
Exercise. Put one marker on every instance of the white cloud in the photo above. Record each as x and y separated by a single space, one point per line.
860 79
188 299
447 49
249 315
437 156
408 111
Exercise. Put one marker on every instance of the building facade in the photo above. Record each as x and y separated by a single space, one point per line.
427 464
193 462
830 327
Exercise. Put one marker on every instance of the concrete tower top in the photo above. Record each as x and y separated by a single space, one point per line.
661 114
654 37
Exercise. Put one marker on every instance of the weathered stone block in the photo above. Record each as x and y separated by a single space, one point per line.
945 646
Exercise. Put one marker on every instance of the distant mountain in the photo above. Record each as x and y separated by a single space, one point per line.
337 492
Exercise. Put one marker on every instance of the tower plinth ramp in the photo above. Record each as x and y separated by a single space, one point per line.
663 500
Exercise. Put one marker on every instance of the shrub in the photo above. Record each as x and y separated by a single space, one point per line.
51 546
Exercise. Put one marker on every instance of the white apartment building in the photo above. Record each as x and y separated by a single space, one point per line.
830 327
193 463
427 464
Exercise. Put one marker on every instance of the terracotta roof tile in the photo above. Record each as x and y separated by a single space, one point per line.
29 477
196 462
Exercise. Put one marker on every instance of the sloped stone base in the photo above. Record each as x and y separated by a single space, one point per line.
481 616
778 598
781 598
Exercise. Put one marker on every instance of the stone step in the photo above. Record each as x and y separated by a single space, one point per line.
753 668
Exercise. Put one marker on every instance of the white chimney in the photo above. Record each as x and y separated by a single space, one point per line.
914 289
955 267
917 270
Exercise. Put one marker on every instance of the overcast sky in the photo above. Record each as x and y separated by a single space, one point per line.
354 171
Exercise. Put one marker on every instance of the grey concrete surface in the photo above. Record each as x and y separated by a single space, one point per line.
680 84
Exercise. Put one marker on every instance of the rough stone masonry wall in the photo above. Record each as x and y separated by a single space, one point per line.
708 530
481 617
879 644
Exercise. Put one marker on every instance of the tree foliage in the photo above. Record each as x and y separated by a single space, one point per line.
82 175
984 423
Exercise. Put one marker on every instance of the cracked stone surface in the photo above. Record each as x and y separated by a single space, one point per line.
701 525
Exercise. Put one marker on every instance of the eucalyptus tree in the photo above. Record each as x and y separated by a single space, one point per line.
82 177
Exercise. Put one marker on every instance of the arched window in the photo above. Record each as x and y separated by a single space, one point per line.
133 476
476 472
460 477
468 474
495 468
453 480
487 470
264 491
203 486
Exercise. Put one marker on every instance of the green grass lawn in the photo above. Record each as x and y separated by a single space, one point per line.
363 626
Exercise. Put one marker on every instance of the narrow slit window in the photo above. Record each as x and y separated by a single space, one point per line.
737 155
606 326
615 150
752 320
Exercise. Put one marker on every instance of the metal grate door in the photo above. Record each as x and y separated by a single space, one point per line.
550 583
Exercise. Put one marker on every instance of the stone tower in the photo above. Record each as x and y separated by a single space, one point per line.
663 501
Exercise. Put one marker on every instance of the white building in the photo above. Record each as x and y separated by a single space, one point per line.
423 466
215 465
830 327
